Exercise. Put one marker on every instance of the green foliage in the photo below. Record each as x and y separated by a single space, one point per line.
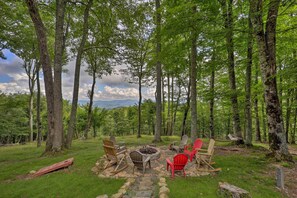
123 32
14 120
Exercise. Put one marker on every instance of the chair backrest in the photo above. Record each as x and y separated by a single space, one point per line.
137 159
108 142
184 140
112 138
210 149
136 156
197 144
179 161
109 150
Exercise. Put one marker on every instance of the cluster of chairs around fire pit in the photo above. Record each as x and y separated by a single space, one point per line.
117 155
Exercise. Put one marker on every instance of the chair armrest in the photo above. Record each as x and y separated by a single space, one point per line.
122 151
205 154
147 159
169 162
186 147
204 150
121 143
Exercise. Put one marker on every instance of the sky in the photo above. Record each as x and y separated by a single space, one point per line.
13 79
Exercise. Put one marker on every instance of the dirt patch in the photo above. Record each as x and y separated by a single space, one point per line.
230 150
240 150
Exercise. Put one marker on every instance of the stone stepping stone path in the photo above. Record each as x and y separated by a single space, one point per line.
143 187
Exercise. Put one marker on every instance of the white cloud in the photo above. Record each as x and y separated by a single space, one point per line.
121 92
112 87
12 87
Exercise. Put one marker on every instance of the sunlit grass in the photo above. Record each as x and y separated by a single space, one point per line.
247 171
78 181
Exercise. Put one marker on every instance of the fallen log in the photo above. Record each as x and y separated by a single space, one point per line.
54 167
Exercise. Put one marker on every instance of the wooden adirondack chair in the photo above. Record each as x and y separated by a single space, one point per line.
196 147
115 157
139 160
180 148
117 146
179 162
204 157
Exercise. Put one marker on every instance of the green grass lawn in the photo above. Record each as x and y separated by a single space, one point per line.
79 181
245 171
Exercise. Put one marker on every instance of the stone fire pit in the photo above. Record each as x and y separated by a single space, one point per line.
151 152
158 157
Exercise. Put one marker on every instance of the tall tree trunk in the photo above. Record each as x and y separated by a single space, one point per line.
248 111
90 107
163 104
58 98
280 85
293 133
139 102
183 129
30 68
176 106
31 115
228 16
80 51
211 101
169 106
193 78
264 120
172 105
38 110
258 132
266 48
288 114
94 128
47 69
157 136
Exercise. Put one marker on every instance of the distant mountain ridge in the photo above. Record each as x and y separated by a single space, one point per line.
110 104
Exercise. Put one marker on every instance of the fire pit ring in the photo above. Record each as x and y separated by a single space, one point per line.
152 152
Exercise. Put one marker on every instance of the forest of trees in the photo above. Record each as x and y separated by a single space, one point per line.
218 67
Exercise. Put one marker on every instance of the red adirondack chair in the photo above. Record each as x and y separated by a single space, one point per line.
197 145
179 162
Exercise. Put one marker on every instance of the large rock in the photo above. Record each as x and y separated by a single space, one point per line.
102 196
163 195
162 179
131 180
164 190
228 190
162 184
118 195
